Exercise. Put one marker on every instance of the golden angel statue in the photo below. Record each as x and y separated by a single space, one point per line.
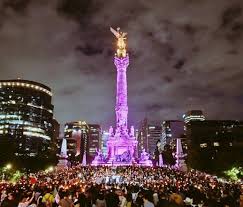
121 36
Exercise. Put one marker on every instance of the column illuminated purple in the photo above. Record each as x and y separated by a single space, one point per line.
121 108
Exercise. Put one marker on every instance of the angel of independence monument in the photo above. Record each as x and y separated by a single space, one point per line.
121 143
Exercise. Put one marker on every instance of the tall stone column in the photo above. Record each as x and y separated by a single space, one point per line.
121 108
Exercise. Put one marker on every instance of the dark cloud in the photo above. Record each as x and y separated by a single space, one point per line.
147 90
76 9
235 32
153 107
69 91
232 52
180 63
231 14
168 79
183 55
90 50
18 6
189 29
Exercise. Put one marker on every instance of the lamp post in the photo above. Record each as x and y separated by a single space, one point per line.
7 167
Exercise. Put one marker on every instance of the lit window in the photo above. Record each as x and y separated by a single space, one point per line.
203 145
230 144
216 144
36 135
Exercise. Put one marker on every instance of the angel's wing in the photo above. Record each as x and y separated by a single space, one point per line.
115 32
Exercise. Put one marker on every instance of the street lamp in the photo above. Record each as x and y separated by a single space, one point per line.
7 167
49 169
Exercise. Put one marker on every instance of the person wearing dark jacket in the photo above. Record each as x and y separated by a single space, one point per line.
9 201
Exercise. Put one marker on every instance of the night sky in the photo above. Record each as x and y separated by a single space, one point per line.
184 54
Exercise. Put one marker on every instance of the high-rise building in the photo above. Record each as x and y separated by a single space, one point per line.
148 136
105 136
56 130
27 126
171 130
142 137
214 145
154 136
82 137
193 115
94 139
76 134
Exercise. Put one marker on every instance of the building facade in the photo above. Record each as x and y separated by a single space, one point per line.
26 118
105 136
148 136
193 115
82 138
76 134
217 144
142 137
154 136
171 130
94 140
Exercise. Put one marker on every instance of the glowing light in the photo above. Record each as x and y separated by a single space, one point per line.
34 134
49 169
194 117
203 145
39 107
27 85
8 166
7 116
34 129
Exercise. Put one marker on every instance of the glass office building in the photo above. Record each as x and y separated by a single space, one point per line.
26 117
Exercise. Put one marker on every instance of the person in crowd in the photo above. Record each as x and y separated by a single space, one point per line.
176 200
139 200
65 200
122 198
26 200
163 201
112 199
3 196
129 200
48 198
146 201
86 186
100 201
9 201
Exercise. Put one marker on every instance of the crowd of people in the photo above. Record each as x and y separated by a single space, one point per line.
120 187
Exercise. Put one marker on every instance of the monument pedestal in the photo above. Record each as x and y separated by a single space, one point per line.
144 160
121 149
62 163
180 156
